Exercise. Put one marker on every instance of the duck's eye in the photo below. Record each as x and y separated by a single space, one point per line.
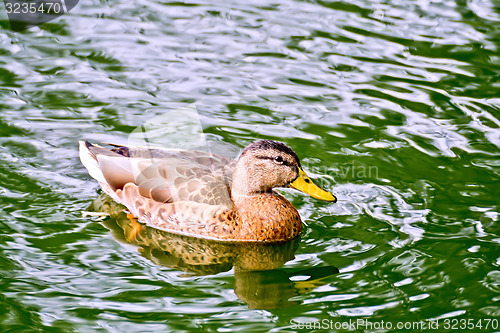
278 159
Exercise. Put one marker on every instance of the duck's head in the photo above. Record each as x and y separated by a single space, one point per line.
265 164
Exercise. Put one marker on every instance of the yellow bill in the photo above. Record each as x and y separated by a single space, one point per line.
304 184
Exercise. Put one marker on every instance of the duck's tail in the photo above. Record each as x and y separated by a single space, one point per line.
89 160
109 168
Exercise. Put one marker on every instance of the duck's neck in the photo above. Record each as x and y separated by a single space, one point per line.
245 184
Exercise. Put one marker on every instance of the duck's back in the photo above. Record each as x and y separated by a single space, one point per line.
161 175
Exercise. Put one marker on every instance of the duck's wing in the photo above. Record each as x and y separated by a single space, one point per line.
165 176
180 217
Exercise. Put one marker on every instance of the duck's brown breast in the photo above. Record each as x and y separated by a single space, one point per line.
267 217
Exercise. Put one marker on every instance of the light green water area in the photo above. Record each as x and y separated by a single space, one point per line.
392 105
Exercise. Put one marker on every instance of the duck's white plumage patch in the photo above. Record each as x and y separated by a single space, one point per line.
89 161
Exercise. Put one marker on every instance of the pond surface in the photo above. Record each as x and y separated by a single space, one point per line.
393 105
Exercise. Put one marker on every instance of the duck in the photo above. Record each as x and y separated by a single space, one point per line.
205 195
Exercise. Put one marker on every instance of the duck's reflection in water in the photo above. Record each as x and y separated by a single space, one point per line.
258 281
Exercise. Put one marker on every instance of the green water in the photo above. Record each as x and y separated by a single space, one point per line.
396 103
